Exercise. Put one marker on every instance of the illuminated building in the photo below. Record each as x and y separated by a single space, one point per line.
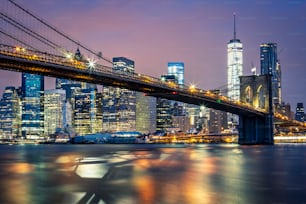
54 110
217 121
269 64
234 71
163 114
145 113
87 112
123 65
119 105
177 69
10 114
300 114
285 109
32 126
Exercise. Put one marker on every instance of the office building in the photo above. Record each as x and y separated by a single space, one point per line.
54 110
177 69
10 114
299 113
163 114
119 105
234 71
32 126
145 113
87 112
269 64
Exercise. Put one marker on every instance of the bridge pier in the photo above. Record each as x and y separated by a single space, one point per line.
256 130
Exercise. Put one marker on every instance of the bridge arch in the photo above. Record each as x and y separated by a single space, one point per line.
249 95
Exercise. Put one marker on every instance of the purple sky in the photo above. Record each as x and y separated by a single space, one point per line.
196 32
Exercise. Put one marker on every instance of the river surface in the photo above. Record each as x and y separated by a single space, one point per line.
147 174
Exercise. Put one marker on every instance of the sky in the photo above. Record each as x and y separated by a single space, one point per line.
196 32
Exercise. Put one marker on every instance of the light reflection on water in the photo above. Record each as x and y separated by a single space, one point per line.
152 174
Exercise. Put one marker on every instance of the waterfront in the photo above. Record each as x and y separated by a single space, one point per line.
145 173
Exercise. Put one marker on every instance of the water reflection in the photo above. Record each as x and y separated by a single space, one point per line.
151 174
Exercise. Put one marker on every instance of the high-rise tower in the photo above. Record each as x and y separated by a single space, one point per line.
269 64
300 114
119 104
32 126
177 69
234 70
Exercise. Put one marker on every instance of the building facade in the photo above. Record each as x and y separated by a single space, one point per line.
119 105
32 126
87 112
177 69
234 71
269 64
164 114
54 110
299 113
145 113
10 114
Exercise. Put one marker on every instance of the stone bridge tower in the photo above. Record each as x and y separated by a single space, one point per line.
257 92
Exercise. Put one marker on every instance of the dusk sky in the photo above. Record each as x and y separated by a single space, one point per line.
196 32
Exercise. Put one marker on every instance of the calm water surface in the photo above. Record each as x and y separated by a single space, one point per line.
131 174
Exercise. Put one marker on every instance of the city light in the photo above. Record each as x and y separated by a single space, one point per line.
192 88
91 64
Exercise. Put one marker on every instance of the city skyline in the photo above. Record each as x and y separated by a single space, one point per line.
194 32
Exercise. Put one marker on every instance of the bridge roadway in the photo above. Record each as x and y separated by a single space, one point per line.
21 60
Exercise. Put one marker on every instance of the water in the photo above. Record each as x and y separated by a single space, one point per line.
131 174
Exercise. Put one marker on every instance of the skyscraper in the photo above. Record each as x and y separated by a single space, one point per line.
164 114
145 113
54 110
300 114
234 71
177 69
32 126
269 64
87 112
10 114
119 105
234 65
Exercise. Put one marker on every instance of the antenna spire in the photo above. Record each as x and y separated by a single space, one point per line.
234 25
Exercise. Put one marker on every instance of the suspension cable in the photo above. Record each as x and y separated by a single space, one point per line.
57 31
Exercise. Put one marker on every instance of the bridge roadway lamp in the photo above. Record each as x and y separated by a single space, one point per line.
192 88
91 64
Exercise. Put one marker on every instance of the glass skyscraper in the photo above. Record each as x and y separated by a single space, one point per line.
10 114
32 126
119 105
300 114
234 71
54 112
145 113
234 66
269 64
177 69
87 112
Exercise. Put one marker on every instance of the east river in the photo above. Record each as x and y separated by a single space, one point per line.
146 174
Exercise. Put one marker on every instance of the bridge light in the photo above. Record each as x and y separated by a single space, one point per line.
68 55
192 88
91 64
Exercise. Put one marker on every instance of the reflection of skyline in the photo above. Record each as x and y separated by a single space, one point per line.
151 174
154 33
166 175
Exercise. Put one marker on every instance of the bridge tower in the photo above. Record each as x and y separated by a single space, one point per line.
257 92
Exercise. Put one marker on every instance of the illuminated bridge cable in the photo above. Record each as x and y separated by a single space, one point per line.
59 32
16 39
28 31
